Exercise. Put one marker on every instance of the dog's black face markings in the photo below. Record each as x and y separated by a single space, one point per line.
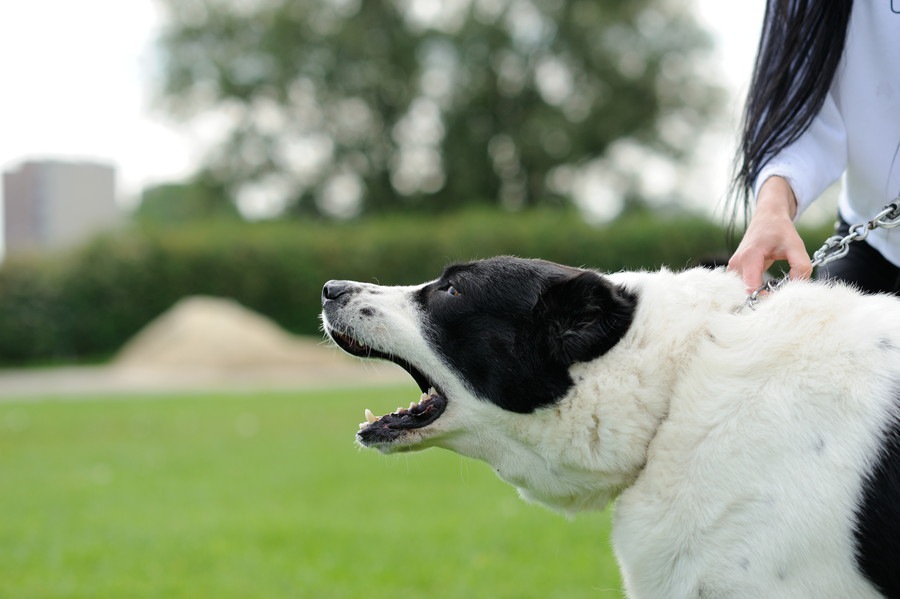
878 518
512 327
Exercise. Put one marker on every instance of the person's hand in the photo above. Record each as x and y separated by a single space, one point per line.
771 236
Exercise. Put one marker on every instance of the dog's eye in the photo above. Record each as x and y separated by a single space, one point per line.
453 290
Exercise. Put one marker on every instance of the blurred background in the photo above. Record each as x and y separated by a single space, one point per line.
180 177
276 100
158 150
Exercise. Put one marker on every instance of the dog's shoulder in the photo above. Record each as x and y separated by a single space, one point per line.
793 400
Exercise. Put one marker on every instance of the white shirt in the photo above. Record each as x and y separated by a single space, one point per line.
857 131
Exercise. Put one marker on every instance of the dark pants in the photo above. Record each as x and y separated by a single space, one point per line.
863 266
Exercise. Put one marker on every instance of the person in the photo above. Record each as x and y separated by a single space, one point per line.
824 100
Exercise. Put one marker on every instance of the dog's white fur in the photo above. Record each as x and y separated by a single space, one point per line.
725 454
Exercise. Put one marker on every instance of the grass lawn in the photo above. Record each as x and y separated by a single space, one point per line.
267 496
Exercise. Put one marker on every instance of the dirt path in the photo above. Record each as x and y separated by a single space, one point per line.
318 367
206 344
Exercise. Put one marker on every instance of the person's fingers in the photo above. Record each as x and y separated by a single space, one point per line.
750 265
800 263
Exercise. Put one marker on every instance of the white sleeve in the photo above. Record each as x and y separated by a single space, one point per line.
814 161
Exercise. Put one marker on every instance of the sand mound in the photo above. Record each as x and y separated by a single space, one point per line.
218 333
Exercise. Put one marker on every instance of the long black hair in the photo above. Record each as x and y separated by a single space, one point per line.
799 50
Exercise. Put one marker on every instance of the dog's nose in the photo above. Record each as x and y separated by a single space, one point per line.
335 289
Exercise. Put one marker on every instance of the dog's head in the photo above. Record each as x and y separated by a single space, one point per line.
487 338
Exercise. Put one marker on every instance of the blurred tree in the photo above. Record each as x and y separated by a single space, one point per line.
201 198
344 106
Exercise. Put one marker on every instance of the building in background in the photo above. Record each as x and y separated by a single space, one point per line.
50 205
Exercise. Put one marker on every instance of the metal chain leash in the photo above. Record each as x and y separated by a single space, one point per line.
836 246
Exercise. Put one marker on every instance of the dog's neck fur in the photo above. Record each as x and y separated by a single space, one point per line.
598 456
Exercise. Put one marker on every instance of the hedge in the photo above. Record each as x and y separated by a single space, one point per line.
87 303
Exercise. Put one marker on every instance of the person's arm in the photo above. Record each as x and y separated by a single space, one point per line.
785 187
814 161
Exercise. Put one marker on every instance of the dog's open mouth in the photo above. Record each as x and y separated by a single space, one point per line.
379 430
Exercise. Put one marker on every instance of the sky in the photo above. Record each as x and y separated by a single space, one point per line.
77 84
77 81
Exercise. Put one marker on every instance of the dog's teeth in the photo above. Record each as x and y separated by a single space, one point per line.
412 404
363 425
370 417
431 391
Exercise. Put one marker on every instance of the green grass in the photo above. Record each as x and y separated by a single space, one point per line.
267 496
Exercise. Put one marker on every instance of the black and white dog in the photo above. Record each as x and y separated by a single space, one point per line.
754 453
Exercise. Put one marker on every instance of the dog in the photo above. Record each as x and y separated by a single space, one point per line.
752 452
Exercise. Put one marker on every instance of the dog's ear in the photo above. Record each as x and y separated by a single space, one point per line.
584 316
